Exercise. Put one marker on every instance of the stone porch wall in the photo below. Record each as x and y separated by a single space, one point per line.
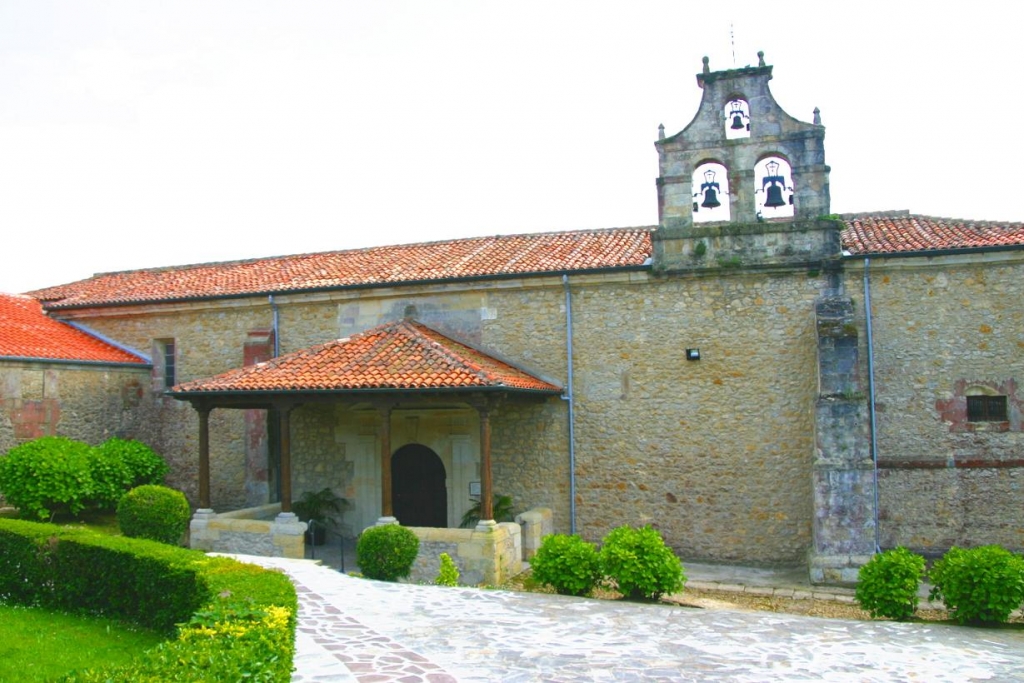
487 557
263 530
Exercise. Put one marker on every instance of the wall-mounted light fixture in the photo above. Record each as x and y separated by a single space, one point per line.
692 354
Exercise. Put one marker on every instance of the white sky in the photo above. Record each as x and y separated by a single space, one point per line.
136 134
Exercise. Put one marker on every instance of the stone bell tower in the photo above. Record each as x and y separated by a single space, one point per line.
745 183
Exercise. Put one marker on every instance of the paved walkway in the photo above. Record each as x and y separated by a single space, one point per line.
359 630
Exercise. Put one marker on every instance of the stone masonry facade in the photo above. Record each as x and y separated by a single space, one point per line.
724 392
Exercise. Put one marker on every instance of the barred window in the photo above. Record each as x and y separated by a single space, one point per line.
986 409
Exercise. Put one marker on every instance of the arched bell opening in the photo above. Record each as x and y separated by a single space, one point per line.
737 119
773 188
711 193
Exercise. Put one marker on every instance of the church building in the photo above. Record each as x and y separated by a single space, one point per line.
763 381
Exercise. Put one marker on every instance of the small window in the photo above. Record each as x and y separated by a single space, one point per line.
165 364
986 409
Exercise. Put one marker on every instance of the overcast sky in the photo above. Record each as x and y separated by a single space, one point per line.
139 134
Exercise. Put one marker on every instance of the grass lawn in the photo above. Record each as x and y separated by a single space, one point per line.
39 645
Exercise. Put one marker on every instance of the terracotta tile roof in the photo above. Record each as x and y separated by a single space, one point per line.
894 232
403 355
453 259
27 332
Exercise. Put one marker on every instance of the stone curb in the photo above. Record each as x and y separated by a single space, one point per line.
840 594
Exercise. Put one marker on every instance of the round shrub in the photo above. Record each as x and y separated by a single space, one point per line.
143 464
46 476
568 564
640 563
982 585
387 552
887 585
154 512
111 478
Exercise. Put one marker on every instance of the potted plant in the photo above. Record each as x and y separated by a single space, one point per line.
315 507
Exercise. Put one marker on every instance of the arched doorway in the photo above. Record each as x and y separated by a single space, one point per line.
418 493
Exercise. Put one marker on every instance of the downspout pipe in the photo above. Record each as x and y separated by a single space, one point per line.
871 394
568 396
275 325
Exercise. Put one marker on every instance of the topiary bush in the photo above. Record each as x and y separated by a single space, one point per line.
980 585
154 512
640 563
887 585
47 476
143 464
387 552
568 564
448 573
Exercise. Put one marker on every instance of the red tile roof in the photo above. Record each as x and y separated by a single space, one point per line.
27 332
894 232
553 252
403 355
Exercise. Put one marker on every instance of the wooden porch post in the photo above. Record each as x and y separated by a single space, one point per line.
285 412
386 509
204 456
486 496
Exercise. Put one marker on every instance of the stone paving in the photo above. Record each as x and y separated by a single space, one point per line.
368 631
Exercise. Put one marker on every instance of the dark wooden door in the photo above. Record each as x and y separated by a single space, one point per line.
419 496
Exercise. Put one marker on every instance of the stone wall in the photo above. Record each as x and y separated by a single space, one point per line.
486 557
262 531
941 326
87 402
715 453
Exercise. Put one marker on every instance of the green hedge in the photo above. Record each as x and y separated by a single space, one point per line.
231 621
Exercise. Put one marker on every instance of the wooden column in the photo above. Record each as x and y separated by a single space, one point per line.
386 510
486 496
285 412
204 456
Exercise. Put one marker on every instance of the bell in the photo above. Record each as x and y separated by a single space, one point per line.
710 199
774 197
737 122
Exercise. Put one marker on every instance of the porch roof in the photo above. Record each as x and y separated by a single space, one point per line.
403 356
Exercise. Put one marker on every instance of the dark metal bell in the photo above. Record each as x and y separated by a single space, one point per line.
737 122
774 197
710 199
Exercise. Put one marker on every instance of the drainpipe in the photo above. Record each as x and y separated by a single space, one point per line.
568 396
871 393
275 325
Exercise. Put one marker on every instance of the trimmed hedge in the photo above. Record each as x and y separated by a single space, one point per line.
640 563
387 552
154 512
234 621
979 585
887 585
54 474
142 462
568 564
46 476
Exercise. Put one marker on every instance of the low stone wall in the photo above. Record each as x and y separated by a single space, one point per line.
535 525
263 530
485 555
